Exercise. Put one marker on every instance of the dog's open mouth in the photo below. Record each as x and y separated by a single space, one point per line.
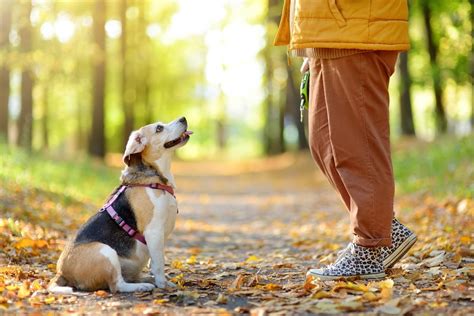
181 139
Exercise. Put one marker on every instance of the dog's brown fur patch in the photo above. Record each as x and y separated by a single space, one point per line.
141 205
85 268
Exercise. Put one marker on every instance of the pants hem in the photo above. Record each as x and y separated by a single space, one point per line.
371 243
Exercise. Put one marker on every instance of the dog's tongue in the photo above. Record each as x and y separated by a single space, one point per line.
187 133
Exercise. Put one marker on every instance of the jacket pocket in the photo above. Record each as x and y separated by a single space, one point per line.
336 13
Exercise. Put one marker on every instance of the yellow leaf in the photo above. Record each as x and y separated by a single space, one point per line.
176 264
30 243
369 296
24 291
386 284
36 285
350 286
35 301
12 287
191 260
253 258
179 280
160 301
322 294
51 299
52 267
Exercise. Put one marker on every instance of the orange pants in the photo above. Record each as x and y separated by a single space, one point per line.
349 138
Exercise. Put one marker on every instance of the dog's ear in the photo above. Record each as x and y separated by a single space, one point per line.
136 144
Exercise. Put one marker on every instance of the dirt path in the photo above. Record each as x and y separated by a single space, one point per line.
247 233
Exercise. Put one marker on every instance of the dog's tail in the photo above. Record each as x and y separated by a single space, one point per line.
57 286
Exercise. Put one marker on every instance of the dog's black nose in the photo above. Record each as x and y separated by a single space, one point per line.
183 120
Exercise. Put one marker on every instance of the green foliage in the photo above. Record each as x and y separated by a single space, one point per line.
79 179
169 64
443 167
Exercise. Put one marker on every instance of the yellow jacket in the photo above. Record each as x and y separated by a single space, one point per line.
350 24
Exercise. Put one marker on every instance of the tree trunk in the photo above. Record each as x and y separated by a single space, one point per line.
406 115
5 26
274 110
97 137
25 122
268 103
292 108
144 88
45 120
441 120
127 102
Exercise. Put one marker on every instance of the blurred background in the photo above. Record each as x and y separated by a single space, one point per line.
76 77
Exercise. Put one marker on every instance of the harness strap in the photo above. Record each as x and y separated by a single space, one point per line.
129 230
156 186
119 220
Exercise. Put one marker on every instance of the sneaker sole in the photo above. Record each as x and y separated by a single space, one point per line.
361 276
399 252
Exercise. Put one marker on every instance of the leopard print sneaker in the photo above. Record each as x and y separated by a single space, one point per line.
356 261
402 240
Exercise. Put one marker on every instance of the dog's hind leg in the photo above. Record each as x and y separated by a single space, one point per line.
117 283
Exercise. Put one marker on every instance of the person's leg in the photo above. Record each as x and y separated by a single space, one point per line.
319 138
349 140
358 156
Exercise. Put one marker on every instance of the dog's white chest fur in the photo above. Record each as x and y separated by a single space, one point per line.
165 209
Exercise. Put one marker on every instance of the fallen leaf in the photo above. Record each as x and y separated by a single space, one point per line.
191 260
237 283
221 299
252 258
23 291
272 287
176 264
50 299
36 285
30 243
350 286
101 293
323 294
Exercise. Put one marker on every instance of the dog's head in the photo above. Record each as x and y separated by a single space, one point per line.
154 140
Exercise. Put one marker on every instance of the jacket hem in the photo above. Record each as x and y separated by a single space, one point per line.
361 46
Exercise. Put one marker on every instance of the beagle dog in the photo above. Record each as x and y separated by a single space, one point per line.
111 249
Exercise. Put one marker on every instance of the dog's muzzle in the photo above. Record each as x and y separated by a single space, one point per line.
181 139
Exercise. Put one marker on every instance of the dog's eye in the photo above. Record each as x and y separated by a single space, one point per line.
159 128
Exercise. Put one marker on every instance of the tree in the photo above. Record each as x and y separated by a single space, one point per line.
5 26
406 115
97 136
274 108
127 94
25 122
433 48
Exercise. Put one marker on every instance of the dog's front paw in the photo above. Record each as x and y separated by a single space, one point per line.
162 283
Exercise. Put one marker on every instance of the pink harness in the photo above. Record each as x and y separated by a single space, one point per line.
119 220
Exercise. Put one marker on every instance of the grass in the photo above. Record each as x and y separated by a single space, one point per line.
442 168
82 179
